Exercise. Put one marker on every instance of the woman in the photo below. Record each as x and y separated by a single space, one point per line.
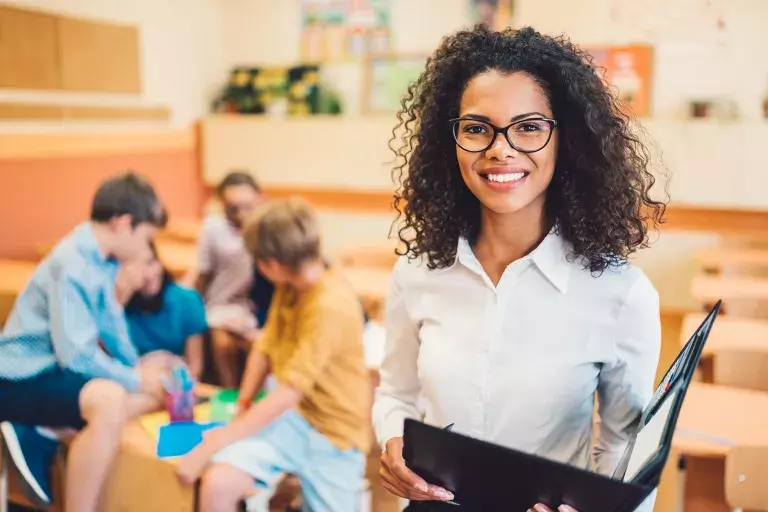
514 305
165 316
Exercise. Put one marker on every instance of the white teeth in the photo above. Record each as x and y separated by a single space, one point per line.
505 178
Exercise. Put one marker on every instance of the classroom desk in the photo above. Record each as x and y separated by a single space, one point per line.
139 480
713 419
14 276
708 288
380 255
371 285
181 230
714 259
746 334
178 257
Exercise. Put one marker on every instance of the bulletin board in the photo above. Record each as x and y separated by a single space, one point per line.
98 56
45 51
386 81
28 50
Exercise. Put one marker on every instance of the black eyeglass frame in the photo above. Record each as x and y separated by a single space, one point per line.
504 131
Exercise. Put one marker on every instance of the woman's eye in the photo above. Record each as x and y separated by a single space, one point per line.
532 126
475 129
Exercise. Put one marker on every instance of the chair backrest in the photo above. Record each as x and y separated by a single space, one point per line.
739 368
746 474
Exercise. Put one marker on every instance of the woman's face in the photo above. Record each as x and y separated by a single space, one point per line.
153 278
503 179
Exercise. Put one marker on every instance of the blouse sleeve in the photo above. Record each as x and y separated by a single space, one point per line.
399 388
625 386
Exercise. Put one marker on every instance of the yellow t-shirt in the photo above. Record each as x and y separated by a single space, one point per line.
315 344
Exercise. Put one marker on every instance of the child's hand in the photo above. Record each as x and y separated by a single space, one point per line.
191 466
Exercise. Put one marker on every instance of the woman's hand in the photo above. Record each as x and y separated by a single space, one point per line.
543 508
401 481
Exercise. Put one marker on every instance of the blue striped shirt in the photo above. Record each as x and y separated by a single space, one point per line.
68 315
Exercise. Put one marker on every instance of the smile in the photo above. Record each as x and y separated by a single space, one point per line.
505 177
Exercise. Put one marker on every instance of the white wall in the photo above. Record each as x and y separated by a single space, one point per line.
693 58
180 44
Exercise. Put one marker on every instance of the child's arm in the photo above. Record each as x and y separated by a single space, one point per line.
75 337
193 353
256 370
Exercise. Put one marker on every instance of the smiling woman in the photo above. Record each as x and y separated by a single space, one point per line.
513 305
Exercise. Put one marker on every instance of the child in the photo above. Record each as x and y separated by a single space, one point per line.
315 424
165 316
66 360
226 275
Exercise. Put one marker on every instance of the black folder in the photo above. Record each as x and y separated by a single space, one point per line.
486 477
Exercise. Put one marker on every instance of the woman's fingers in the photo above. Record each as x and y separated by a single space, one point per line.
393 460
398 488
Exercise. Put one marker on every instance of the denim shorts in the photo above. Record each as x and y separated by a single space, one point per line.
331 478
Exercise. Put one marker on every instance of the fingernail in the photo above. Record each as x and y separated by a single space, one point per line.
444 495
566 508
421 486
541 508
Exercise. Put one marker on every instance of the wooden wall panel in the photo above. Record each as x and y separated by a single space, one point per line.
42 112
28 50
98 56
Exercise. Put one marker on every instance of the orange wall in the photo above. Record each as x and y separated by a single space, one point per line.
46 189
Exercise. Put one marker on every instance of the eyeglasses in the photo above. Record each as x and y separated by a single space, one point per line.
526 136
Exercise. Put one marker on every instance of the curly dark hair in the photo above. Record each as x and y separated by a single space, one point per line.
598 199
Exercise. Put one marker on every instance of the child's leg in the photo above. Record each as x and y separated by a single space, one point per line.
223 488
226 351
104 407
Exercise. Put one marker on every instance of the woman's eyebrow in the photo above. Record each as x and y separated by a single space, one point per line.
486 119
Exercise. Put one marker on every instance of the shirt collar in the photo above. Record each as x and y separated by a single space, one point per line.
550 257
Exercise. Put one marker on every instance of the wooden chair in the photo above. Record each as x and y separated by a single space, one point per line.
740 368
746 473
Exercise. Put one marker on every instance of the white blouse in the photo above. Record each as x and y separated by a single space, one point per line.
520 364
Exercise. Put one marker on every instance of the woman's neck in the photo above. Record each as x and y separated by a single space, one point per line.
505 238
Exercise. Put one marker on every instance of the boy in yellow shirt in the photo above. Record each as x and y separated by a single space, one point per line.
316 423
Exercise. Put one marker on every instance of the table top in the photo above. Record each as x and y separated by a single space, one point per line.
729 333
369 283
714 418
715 258
710 288
178 257
181 230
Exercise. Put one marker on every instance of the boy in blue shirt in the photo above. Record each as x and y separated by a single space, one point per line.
165 316
66 359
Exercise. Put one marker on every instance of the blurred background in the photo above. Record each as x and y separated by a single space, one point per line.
304 94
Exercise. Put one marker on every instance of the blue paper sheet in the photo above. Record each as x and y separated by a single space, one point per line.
180 438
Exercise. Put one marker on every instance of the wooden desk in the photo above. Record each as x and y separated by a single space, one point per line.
380 256
713 419
714 259
178 257
371 285
181 230
709 288
14 276
730 333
